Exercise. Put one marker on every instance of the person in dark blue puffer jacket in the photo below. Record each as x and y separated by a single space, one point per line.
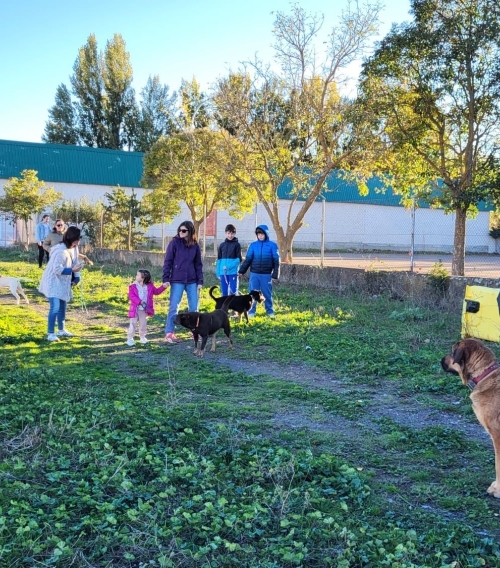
263 260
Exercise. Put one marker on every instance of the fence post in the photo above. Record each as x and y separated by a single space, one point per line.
412 240
204 251
215 232
323 216
163 228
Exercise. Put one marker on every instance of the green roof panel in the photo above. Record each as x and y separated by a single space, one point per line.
97 166
340 190
71 164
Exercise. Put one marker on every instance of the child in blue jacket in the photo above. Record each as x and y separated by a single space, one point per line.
263 259
228 262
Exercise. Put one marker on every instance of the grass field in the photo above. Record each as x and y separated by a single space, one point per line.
328 437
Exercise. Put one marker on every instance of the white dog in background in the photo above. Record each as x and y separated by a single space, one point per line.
15 287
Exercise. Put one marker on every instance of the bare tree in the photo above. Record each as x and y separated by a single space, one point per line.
293 124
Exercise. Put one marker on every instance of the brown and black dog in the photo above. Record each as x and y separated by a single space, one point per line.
204 324
240 304
477 366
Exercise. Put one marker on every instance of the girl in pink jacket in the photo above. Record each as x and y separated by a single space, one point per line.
140 294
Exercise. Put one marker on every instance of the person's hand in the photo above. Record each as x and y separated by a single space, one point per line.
200 286
77 268
165 284
274 281
85 259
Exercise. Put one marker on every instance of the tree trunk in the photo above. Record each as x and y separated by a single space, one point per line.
27 243
285 245
458 259
130 229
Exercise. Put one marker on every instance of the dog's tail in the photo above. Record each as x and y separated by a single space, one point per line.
211 292
227 302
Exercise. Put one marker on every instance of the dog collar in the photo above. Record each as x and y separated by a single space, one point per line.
484 374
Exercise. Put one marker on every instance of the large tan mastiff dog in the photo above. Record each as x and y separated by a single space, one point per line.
477 366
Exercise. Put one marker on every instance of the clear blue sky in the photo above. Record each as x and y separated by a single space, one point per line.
174 39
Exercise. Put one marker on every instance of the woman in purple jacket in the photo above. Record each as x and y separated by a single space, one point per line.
182 271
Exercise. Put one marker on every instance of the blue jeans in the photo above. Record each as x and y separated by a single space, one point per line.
57 311
264 283
229 284
176 291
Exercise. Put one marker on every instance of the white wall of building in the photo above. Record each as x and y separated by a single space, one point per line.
346 225
365 227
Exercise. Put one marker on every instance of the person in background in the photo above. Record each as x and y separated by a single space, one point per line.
228 262
183 272
140 294
56 282
55 236
263 260
42 230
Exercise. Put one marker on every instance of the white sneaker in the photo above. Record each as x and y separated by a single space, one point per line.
64 333
130 342
52 337
143 340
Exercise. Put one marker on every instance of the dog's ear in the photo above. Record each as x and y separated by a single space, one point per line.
458 354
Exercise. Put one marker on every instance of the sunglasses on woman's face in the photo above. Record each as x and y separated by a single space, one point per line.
58 225
183 231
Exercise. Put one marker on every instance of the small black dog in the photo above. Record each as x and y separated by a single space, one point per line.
204 324
240 304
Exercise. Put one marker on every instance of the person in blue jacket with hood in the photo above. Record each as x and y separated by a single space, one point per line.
263 260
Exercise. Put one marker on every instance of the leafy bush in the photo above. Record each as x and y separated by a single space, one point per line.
439 278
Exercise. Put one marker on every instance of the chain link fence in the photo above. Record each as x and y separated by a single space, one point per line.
352 235
374 237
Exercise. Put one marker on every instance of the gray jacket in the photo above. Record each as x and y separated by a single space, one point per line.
51 240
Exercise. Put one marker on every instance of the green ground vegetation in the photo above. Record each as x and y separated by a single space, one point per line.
328 437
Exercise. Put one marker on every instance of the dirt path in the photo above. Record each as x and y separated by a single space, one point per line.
385 401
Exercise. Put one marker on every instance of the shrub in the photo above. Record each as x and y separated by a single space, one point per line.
439 278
